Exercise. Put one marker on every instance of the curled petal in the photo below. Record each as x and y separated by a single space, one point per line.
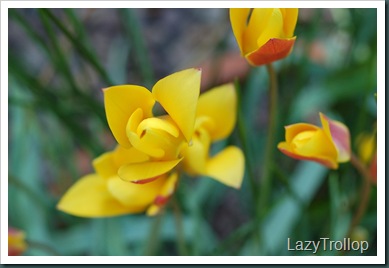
292 131
318 146
178 94
145 171
89 197
120 103
142 142
340 135
227 167
158 137
158 124
219 104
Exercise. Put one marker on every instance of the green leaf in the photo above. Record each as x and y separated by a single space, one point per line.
281 220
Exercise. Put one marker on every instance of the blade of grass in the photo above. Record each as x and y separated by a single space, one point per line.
86 53
53 56
280 221
64 66
60 59
133 30
51 102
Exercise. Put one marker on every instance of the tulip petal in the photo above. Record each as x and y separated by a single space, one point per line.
89 197
292 130
256 26
273 50
340 135
238 18
328 162
178 94
318 145
137 196
290 20
120 102
147 170
273 25
220 105
227 167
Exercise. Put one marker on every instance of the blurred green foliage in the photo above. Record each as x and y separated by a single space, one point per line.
58 62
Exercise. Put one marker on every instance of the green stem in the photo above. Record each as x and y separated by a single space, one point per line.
365 192
242 133
153 239
269 149
182 249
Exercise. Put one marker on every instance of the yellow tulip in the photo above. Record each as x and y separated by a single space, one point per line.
328 145
16 242
264 35
141 173
130 117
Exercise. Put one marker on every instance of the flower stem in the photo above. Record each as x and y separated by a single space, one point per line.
180 229
242 133
266 178
153 239
365 192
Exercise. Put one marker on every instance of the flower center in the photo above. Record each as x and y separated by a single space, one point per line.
158 137
302 138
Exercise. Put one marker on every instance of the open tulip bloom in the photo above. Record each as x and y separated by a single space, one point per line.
142 172
328 145
264 35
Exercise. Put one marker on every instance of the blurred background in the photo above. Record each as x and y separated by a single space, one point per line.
60 59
